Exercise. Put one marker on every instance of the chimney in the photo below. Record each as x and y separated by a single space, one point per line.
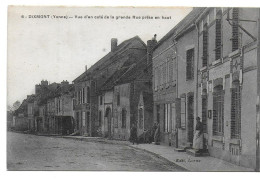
113 44
150 45
86 67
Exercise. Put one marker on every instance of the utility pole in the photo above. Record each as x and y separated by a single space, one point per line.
257 101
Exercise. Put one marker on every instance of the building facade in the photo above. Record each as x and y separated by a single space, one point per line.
86 85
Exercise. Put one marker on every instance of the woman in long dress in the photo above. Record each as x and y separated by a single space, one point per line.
198 136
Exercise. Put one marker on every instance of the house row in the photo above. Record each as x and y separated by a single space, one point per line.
205 66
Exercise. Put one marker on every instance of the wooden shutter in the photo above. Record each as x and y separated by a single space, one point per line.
218 36
178 112
205 46
235 29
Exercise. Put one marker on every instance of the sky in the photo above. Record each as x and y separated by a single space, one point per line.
57 49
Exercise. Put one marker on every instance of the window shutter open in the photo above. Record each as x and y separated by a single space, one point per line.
178 112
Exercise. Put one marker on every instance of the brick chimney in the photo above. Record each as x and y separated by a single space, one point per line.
150 45
113 44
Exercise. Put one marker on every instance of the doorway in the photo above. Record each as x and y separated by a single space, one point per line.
190 119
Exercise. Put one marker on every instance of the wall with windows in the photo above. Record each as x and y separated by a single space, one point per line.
121 112
231 120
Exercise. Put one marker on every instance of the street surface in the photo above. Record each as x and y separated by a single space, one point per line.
31 152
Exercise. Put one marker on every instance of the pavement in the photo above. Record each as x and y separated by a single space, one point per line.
190 163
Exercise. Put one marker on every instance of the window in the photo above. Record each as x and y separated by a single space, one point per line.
190 64
235 29
123 118
170 66
88 94
116 118
205 46
158 113
167 108
183 112
100 100
80 96
156 78
83 95
164 76
83 119
218 40
235 111
99 118
218 110
141 118
118 98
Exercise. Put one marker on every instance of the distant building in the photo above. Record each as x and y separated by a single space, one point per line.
87 84
121 94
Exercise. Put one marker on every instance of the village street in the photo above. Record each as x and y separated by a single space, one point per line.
31 152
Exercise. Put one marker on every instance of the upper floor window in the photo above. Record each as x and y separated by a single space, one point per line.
88 94
218 38
100 100
118 98
190 64
235 40
205 45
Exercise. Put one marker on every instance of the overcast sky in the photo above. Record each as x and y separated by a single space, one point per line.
58 49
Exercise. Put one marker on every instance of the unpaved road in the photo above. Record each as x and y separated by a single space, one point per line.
31 152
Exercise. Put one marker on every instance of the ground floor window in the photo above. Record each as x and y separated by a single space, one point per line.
218 110
167 117
236 110
123 118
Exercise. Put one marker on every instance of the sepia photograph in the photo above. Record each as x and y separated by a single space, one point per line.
150 89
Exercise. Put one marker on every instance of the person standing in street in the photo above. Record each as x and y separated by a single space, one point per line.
198 136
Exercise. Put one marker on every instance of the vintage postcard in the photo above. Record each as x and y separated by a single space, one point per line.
133 89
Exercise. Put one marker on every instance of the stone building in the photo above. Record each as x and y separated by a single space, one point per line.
227 82
174 82
121 93
88 83
214 53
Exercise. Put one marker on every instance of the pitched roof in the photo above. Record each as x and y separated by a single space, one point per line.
137 70
100 64
183 25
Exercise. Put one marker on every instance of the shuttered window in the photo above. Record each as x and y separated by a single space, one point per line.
218 111
123 118
235 111
204 112
83 95
183 113
116 118
99 118
190 64
178 112
235 42
171 70
88 94
205 46
218 42
190 110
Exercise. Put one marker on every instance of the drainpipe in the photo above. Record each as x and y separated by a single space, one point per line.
258 103
197 65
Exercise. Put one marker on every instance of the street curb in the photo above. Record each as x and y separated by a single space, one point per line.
159 156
